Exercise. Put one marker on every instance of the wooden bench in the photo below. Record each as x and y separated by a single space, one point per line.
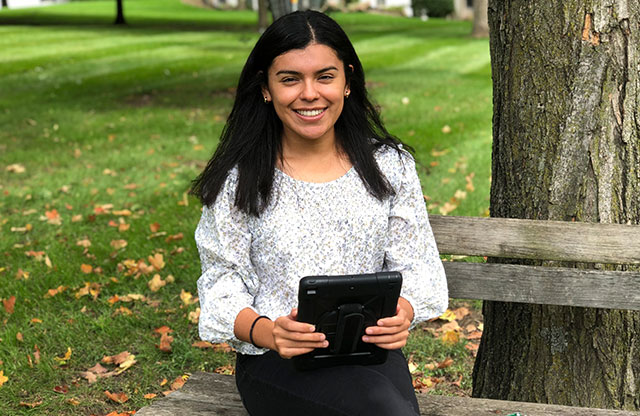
214 394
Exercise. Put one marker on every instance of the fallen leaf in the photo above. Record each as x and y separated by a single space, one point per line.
446 363
194 316
16 168
19 337
187 298
202 344
3 378
149 395
154 227
225 369
156 283
63 360
36 354
461 312
116 397
36 321
165 343
61 389
9 304
448 315
86 268
450 337
21 274
32 404
179 382
458 382
446 129
52 292
174 237
157 261
118 244
73 402
163 330
122 213
474 335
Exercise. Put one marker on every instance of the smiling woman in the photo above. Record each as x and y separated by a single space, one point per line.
306 180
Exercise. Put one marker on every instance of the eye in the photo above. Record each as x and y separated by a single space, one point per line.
288 80
326 77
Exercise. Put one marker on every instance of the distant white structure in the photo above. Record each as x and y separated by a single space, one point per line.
23 4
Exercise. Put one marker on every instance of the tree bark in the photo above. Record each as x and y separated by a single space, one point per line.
480 19
119 13
279 8
566 130
263 15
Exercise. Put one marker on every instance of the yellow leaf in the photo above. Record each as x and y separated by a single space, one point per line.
156 283
86 268
186 297
3 378
194 316
450 337
67 357
449 315
86 243
150 395
16 168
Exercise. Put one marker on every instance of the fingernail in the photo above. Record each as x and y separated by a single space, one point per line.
369 331
365 339
325 344
312 328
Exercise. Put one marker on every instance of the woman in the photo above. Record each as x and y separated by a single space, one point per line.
307 181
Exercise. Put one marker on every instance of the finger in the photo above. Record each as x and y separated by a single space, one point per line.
386 330
386 339
294 326
299 336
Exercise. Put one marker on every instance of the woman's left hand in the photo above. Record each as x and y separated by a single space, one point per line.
391 333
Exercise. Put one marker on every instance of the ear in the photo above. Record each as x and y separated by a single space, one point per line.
265 93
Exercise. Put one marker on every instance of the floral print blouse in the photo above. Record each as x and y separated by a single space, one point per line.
329 228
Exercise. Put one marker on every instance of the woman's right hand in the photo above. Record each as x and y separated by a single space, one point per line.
293 338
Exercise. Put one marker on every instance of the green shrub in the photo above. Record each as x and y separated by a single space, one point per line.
434 8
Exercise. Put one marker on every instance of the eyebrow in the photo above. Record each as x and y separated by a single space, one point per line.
290 72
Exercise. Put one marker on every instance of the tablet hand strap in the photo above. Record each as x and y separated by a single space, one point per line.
349 328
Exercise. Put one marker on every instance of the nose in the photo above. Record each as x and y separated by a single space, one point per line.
309 91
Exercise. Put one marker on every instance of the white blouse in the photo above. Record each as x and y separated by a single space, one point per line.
328 228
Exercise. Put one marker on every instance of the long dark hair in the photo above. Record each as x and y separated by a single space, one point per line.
252 136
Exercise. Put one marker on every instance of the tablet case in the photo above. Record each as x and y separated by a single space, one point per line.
342 307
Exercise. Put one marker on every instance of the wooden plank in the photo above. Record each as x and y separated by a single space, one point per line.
544 285
545 240
216 394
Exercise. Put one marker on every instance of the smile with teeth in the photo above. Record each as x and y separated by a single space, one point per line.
310 113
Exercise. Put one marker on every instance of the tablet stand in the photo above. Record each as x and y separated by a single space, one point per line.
348 329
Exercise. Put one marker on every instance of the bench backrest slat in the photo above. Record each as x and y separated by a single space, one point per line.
543 285
542 240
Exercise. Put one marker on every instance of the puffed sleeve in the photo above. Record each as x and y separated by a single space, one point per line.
411 248
228 282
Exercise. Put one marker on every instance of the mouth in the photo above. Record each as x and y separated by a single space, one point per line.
310 113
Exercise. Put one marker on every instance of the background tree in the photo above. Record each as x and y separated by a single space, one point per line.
566 130
5 4
480 19
263 15
119 13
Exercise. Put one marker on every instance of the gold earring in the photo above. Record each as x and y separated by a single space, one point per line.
346 94
265 100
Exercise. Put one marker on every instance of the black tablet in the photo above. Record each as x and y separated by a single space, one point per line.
342 307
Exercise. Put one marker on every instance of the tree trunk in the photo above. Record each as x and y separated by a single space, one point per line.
119 13
480 19
262 16
5 4
566 129
279 8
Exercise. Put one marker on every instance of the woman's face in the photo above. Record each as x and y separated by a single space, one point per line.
307 87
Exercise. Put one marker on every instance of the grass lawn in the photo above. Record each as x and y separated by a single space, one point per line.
104 127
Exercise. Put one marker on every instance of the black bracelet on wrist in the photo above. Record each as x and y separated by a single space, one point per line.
253 325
